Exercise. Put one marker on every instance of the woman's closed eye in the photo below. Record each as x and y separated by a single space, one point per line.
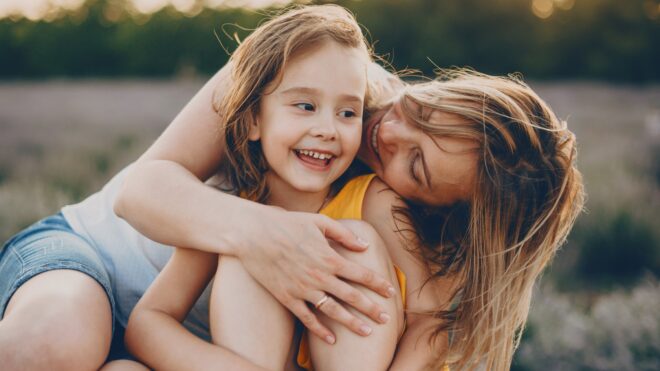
413 162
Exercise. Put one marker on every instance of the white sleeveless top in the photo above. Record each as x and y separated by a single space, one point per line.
131 259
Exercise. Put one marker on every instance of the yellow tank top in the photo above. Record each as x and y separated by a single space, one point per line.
347 204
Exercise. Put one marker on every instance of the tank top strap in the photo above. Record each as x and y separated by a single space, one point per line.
347 204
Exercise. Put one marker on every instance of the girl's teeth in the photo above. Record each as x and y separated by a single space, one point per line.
320 156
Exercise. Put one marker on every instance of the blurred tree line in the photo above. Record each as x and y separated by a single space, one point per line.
610 40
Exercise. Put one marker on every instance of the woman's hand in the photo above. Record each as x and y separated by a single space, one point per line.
288 253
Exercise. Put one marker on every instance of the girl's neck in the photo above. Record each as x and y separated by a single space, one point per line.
281 194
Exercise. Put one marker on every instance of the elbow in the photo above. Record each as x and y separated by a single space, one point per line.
137 332
118 206
124 198
131 336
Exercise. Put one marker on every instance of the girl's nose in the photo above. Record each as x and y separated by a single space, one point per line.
324 128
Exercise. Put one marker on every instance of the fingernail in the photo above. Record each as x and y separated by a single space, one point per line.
390 291
330 339
384 317
362 242
366 330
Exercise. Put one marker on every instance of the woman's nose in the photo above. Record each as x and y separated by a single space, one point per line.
393 133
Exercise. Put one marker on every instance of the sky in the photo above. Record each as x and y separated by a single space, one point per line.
39 9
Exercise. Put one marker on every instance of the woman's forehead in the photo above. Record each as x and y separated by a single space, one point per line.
434 121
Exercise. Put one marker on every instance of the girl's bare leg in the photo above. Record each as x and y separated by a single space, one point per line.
58 320
246 319
351 351
124 365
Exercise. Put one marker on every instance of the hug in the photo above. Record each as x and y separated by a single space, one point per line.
306 210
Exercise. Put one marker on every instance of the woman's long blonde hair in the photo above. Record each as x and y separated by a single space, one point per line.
259 61
528 193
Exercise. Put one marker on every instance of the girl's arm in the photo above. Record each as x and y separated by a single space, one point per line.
155 334
413 350
165 199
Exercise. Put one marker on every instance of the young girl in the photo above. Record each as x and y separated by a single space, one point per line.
293 115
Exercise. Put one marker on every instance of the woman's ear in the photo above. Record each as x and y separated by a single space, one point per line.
254 134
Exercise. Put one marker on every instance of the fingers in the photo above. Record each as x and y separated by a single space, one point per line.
335 231
310 321
356 299
356 273
337 312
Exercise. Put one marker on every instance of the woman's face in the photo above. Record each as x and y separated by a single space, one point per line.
432 170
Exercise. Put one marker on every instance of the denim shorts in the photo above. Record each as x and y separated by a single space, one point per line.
49 244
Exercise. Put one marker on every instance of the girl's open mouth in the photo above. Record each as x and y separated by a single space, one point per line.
315 159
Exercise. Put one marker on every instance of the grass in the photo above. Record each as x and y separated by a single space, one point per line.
63 140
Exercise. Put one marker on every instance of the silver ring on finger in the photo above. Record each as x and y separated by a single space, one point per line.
322 301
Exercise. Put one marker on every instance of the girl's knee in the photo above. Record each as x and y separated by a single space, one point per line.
376 256
362 229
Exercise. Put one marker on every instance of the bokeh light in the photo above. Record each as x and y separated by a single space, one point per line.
149 6
36 10
564 4
652 9
543 8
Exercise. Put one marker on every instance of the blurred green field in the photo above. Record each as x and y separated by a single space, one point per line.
62 140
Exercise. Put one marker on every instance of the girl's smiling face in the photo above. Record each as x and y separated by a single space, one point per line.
310 124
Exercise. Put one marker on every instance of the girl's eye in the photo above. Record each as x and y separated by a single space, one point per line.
305 106
347 114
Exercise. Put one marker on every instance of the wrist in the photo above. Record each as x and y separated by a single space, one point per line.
237 234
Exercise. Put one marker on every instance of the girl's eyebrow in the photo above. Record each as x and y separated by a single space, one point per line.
314 91
301 89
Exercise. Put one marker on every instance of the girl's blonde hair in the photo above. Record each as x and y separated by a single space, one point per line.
259 61
528 193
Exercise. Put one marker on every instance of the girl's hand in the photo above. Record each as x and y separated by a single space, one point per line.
288 253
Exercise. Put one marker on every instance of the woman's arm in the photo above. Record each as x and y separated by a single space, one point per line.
414 352
155 334
164 198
